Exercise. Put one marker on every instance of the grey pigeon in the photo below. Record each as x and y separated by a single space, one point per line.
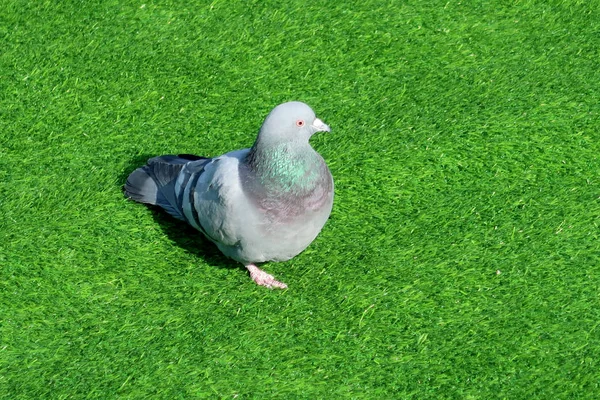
266 203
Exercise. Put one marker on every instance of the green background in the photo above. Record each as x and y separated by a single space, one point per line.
462 257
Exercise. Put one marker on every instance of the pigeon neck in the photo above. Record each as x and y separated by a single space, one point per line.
285 167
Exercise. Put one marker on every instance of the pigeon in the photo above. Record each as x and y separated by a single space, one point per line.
265 203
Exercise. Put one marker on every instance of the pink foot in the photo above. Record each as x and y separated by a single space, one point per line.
263 279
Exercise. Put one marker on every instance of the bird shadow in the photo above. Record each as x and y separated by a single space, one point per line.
180 233
191 240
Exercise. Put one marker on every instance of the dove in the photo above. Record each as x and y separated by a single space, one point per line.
259 204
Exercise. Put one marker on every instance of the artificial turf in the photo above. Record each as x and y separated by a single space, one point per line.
462 257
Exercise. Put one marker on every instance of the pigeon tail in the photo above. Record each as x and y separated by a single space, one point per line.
154 183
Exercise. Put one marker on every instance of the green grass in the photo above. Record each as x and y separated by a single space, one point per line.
462 257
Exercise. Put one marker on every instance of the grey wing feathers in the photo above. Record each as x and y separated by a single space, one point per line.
163 180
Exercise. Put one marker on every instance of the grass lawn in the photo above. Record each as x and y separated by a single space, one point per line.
462 257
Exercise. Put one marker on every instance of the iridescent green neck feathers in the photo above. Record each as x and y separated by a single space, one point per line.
286 167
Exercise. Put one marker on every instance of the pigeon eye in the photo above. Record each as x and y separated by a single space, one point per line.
300 123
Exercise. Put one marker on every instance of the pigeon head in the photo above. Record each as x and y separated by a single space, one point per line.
282 161
290 122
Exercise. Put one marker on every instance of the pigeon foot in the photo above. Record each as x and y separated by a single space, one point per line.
263 279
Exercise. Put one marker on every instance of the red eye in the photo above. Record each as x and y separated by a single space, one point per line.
300 123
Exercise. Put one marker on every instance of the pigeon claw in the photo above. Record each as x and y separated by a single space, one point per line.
264 279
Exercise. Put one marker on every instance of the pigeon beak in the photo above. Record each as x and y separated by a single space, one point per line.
320 126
